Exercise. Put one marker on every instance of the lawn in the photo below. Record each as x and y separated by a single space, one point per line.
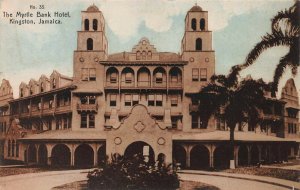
291 175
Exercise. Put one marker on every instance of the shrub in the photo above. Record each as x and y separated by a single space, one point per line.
133 173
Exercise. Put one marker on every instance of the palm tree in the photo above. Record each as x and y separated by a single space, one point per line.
241 101
285 32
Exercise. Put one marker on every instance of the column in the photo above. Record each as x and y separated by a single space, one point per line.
72 149
37 153
188 157
211 160
49 151
95 154
236 155
259 153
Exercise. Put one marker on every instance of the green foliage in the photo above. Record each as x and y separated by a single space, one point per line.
133 173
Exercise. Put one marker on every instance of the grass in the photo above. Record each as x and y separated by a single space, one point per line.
291 175
184 185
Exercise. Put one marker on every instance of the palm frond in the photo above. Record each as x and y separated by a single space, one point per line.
268 41
282 15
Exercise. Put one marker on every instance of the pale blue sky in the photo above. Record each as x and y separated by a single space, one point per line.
31 50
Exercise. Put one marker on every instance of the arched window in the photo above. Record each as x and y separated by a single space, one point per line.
8 148
31 90
138 55
42 87
89 44
13 148
194 24
53 83
199 44
202 24
144 54
86 24
21 92
95 24
17 149
149 55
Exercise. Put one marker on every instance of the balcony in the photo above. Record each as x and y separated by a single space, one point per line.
127 84
193 108
175 85
48 111
63 109
143 84
159 84
87 107
111 85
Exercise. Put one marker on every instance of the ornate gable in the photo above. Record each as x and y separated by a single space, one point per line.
144 51
5 88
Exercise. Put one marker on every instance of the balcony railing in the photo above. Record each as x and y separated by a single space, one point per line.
110 84
62 109
175 85
126 84
159 84
87 107
143 84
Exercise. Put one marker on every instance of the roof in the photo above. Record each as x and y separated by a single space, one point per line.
92 8
224 136
163 57
196 8
67 135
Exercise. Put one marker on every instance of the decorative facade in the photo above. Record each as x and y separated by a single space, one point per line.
136 102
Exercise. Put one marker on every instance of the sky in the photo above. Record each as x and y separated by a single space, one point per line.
28 51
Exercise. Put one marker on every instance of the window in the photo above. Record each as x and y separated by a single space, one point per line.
127 100
85 74
50 104
113 78
53 83
17 149
58 124
86 24
42 87
195 74
144 54
203 74
292 113
149 55
8 148
128 78
49 124
174 101
92 99
159 98
13 148
84 100
174 122
159 77
202 24
65 123
93 74
135 99
199 44
95 24
194 24
21 93
91 121
292 128
150 100
83 123
138 55
31 90
89 44
195 121
113 100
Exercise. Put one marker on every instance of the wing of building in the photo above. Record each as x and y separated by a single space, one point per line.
137 102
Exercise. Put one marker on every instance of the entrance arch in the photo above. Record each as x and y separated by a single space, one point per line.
43 154
136 148
61 155
32 154
199 157
84 155
179 155
243 155
101 155
222 156
254 155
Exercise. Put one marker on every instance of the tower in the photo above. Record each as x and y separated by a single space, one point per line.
92 44
196 48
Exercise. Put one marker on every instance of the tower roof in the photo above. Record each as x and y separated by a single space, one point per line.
92 8
196 8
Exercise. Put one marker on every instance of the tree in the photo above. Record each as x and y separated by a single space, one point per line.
285 32
241 101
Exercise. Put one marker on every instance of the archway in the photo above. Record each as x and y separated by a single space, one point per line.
101 155
179 156
84 156
32 154
254 155
222 156
43 154
199 157
61 155
140 147
243 155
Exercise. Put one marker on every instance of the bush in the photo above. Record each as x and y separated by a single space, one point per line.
133 173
